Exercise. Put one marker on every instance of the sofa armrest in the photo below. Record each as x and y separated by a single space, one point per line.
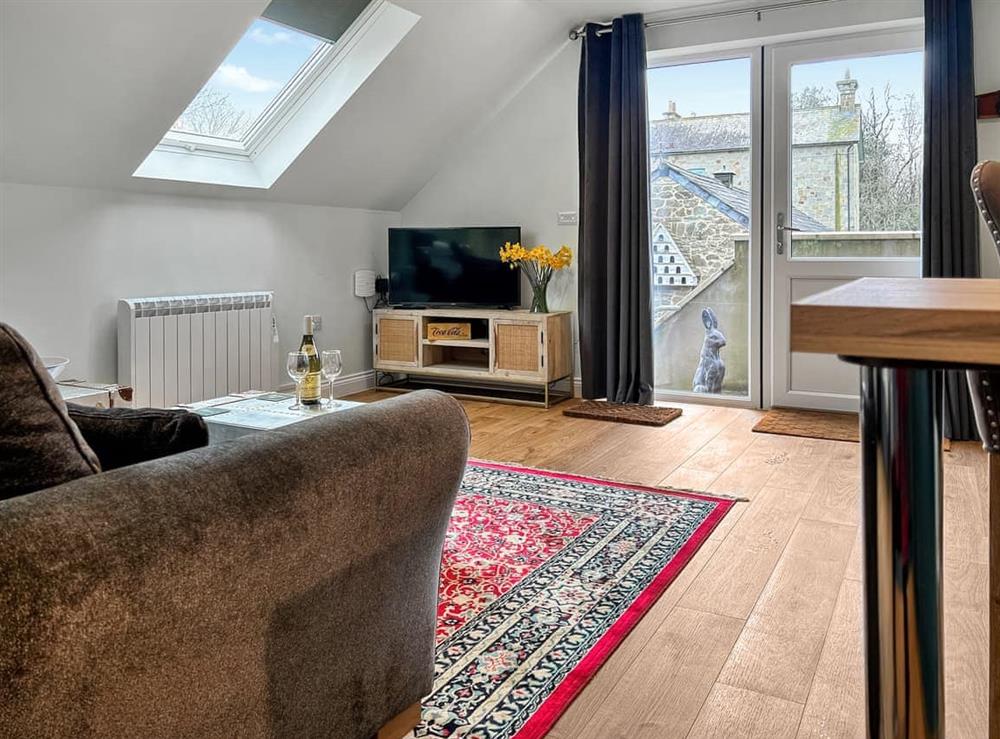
284 584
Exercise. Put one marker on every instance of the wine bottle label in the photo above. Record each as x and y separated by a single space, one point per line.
310 387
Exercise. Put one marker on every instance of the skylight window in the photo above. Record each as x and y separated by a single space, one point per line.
259 68
275 90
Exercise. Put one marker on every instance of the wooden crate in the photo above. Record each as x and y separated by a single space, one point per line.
439 331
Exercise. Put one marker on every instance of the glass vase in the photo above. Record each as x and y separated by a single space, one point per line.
539 297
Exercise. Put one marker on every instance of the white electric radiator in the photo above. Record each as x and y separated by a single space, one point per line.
194 347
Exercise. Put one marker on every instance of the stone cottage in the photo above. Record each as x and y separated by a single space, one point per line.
696 222
825 153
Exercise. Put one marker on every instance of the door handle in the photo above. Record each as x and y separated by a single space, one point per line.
780 235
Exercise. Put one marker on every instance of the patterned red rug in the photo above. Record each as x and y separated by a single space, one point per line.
543 575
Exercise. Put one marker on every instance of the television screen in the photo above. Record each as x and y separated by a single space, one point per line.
452 266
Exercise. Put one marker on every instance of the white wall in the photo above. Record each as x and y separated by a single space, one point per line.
788 24
67 255
520 168
986 19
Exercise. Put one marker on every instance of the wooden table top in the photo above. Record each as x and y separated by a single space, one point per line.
935 320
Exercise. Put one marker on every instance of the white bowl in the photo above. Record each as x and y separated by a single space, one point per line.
55 365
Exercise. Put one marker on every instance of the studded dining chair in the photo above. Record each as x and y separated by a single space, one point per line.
984 387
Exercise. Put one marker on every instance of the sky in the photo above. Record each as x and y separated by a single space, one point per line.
709 88
261 64
268 56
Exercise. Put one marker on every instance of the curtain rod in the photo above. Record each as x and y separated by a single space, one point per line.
577 33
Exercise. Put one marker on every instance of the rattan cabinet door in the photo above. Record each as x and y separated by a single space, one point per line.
397 341
517 348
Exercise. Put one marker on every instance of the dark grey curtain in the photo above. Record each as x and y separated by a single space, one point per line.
950 229
615 296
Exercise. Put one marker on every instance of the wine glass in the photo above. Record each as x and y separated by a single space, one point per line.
332 367
298 368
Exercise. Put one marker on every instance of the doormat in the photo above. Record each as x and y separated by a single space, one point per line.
812 424
640 415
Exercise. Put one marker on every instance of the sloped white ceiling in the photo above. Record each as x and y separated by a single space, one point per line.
90 86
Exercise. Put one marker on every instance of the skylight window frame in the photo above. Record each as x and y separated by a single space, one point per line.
297 89
308 102
294 89
319 69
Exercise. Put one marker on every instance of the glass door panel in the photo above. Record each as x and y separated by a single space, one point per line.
846 121
857 157
703 205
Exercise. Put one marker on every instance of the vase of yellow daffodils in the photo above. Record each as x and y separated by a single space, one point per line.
539 264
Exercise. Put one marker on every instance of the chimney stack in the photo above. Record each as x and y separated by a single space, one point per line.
847 88
726 178
671 113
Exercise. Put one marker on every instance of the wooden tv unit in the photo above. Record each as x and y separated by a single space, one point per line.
512 355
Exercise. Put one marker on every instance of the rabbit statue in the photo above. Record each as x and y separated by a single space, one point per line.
711 369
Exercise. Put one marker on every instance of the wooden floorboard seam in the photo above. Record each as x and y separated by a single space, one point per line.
826 639
740 646
715 682
680 594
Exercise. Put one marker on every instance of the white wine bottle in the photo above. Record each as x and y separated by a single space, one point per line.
311 384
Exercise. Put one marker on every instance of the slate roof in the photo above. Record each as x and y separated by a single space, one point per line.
810 127
731 201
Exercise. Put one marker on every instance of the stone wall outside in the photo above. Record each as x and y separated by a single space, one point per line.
857 244
703 234
678 339
826 184
816 173
736 161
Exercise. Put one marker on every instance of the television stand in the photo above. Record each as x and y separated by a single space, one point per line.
511 356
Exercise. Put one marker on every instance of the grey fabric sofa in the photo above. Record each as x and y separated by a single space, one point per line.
281 585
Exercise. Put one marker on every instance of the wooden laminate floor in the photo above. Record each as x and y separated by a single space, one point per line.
760 635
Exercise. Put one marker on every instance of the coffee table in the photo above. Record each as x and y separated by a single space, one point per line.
96 395
240 414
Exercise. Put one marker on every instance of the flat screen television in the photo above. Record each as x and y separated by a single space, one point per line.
452 266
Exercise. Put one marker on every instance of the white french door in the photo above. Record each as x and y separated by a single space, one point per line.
842 190
777 171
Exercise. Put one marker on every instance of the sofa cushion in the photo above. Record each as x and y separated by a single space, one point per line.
124 436
39 445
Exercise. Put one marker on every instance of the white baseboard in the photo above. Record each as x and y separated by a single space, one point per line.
346 385
357 382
